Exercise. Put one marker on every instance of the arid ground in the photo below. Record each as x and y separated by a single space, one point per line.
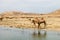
20 20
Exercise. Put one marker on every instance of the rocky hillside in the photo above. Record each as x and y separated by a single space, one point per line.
18 14
23 14
57 12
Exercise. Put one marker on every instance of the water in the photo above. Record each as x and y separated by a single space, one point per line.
27 34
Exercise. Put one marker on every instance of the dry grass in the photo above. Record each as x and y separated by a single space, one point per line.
52 23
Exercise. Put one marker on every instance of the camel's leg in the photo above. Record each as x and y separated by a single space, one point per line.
39 26
44 25
34 23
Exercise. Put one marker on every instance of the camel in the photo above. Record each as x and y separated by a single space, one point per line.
39 21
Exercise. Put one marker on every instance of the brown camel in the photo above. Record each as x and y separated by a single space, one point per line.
39 21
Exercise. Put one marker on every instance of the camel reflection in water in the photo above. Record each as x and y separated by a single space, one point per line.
41 36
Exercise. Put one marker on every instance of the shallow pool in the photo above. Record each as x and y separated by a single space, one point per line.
27 34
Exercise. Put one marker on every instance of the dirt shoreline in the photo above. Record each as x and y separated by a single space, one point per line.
47 29
52 23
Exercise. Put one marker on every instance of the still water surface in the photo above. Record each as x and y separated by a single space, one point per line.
27 34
